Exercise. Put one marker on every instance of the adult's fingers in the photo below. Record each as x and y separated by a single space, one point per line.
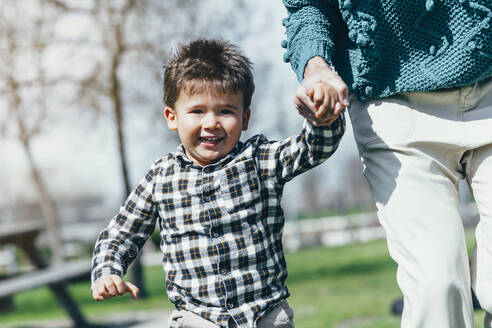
303 109
330 99
338 108
342 91
322 111
330 77
311 117
318 96
308 115
302 99
330 122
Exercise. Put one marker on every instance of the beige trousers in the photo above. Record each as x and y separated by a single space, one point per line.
280 316
415 147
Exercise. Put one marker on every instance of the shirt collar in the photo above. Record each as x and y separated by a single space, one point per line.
184 161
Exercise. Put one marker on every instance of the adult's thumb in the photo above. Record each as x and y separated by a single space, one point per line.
342 91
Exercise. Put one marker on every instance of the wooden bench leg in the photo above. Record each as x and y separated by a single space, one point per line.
66 301
59 289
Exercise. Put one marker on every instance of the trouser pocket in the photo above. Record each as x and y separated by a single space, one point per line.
281 316
187 319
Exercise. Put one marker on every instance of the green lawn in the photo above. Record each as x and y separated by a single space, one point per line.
349 286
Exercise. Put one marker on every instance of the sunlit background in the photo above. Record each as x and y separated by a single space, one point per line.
81 122
60 57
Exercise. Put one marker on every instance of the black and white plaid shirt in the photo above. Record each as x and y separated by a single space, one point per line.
221 225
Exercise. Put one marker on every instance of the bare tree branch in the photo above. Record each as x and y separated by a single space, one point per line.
62 6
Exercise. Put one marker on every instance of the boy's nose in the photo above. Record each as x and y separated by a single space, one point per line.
210 121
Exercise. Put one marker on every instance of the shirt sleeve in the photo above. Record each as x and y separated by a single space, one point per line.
283 160
120 242
310 28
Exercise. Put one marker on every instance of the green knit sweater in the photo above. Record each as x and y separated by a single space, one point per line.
383 47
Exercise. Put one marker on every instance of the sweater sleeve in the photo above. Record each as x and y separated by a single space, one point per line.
310 28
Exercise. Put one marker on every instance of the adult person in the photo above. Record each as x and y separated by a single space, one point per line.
418 76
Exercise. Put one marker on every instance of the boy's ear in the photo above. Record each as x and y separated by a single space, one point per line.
170 115
246 117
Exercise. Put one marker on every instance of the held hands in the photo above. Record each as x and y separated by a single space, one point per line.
322 94
112 285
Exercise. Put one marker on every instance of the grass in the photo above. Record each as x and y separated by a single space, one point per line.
352 284
339 284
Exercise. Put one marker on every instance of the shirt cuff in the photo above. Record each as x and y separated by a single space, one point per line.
337 127
104 271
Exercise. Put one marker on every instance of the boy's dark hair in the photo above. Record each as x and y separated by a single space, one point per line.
208 65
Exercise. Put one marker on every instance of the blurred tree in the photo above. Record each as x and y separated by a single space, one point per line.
24 86
102 86
123 35
130 33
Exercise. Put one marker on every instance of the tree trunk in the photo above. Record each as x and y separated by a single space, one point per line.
48 208
136 269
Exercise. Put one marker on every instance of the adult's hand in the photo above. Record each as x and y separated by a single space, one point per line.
321 108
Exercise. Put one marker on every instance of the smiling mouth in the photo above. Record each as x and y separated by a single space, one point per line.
210 140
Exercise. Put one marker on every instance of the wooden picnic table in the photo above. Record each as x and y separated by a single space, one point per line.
23 234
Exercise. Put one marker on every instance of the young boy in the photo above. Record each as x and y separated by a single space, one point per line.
216 200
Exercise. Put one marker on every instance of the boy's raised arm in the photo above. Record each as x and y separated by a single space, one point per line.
283 160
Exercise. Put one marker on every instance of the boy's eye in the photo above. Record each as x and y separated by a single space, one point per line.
227 111
196 111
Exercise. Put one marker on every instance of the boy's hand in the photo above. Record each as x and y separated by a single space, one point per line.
112 285
319 104
322 94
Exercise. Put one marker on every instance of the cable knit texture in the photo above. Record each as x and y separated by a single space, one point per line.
384 47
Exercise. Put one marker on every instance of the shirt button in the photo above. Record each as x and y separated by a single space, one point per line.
206 198
230 304
215 235
223 271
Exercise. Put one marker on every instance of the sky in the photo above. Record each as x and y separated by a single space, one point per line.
79 156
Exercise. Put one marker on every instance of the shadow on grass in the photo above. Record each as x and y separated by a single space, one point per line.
125 324
352 269
120 324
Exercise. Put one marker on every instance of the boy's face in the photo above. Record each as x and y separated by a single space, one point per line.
209 124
